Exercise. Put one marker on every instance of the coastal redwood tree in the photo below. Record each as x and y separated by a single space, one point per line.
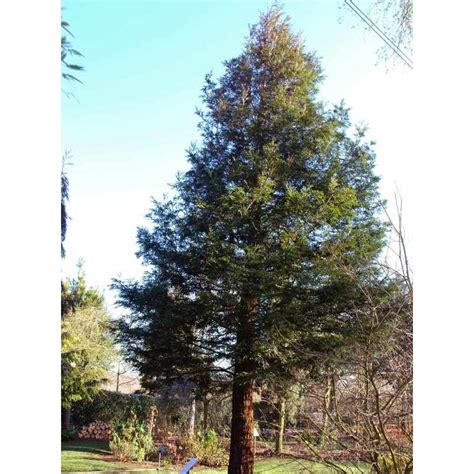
279 189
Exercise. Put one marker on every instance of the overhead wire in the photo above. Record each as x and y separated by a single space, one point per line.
390 43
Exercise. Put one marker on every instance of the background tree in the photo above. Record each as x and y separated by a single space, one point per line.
278 190
279 403
392 22
87 346
396 18
68 52
372 370
76 294
64 200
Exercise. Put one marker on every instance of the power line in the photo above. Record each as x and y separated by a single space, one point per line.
379 33
392 44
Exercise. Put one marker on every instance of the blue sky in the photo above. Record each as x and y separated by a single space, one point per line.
134 115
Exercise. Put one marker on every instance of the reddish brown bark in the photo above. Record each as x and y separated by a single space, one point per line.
241 460
242 451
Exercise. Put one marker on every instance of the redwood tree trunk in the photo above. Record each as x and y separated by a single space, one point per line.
242 451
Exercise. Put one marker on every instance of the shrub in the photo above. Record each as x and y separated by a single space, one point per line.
404 463
112 408
121 442
207 447
131 441
68 435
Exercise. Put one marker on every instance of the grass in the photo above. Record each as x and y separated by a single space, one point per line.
86 456
280 466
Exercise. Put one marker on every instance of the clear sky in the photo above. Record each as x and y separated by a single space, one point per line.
134 115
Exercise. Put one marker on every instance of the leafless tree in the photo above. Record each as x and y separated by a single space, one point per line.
392 22
366 395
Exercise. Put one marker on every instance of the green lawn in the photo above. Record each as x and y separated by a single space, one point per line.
85 456
288 466
82 456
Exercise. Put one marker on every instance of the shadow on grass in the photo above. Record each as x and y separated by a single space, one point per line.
95 447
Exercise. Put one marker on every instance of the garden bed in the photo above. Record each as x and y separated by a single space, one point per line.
95 456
